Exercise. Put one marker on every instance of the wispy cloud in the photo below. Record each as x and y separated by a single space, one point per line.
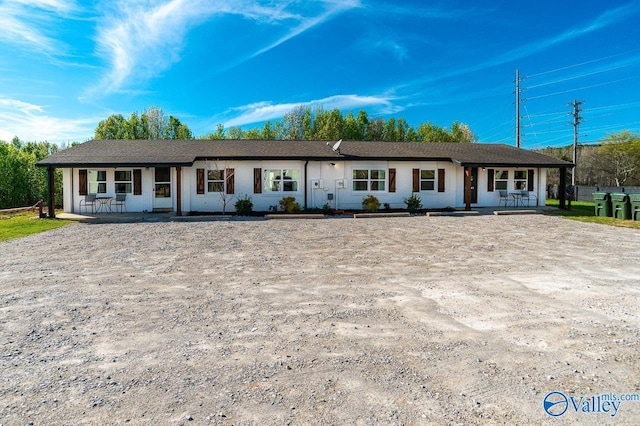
265 111
28 24
142 41
606 19
32 122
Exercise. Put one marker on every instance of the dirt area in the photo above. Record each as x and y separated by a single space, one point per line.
420 320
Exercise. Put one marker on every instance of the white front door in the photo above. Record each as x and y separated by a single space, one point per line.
162 188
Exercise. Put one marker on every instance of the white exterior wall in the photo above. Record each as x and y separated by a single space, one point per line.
322 181
133 203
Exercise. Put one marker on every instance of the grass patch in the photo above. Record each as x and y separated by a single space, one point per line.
23 224
584 211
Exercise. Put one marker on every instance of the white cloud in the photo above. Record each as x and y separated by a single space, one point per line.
264 111
31 122
142 41
29 23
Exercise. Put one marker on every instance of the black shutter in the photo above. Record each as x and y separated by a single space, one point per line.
530 180
440 180
257 181
230 176
137 181
392 180
490 180
200 181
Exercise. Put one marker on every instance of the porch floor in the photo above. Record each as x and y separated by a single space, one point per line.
172 217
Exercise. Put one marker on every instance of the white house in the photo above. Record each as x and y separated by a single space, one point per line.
209 175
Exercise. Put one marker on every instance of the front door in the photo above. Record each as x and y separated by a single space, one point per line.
474 185
162 188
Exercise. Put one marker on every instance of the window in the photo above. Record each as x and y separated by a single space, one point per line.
281 180
427 180
123 181
369 180
501 178
97 181
215 180
520 180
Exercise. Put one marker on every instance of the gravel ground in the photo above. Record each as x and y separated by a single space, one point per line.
441 320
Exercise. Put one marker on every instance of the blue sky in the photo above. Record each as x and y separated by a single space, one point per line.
67 64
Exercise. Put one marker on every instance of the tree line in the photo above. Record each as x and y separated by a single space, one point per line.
301 123
615 161
22 183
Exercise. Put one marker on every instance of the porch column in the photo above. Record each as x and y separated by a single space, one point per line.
52 191
561 189
179 191
467 188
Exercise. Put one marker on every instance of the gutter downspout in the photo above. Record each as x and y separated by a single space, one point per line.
305 184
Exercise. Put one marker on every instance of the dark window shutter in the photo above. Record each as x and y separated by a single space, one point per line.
200 181
230 176
490 179
416 180
82 186
137 181
392 180
440 180
530 180
257 181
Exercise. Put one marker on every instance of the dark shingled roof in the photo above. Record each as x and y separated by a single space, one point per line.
148 153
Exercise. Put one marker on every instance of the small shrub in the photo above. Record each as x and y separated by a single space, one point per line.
326 209
244 205
414 203
371 203
289 205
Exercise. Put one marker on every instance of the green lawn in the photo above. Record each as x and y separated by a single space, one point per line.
23 224
584 211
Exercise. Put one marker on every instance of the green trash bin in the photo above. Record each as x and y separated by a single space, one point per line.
620 206
634 199
602 202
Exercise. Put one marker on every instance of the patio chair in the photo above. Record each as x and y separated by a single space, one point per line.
88 200
504 195
526 195
119 201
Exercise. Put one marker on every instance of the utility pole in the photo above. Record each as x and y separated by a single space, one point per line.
518 80
576 123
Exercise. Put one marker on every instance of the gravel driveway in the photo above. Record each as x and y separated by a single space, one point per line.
456 320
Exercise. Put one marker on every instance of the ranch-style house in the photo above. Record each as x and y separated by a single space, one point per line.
188 176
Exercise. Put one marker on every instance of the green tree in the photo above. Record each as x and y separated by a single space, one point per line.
152 124
619 156
268 132
22 183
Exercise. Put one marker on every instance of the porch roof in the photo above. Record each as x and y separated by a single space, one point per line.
150 153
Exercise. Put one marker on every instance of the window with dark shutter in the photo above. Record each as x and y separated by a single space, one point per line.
200 181
416 180
392 180
257 181
82 184
230 181
490 183
530 180
440 180
137 181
